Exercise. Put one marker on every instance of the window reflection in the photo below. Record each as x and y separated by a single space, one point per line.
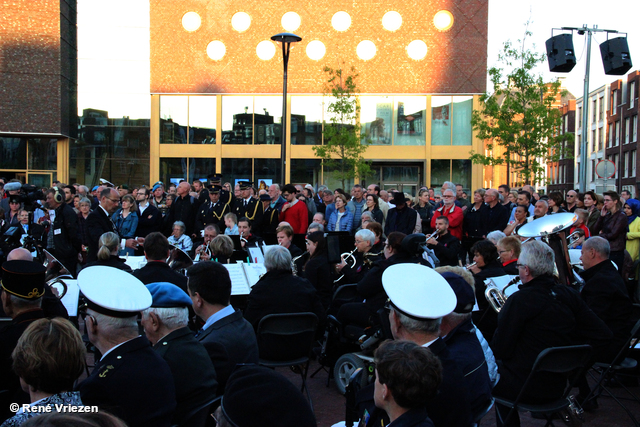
202 120
440 120
306 120
462 108
440 172
376 113
236 170
201 168
173 170
306 171
268 119
410 116
461 172
43 153
13 153
237 119
174 112
266 172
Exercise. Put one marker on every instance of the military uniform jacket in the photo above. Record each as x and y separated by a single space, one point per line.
210 214
269 222
193 373
253 210
134 383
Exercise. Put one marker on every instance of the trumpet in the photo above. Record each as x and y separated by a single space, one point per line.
206 250
496 297
573 238
348 259
294 267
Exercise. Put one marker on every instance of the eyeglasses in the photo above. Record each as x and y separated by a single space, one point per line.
448 197
501 252
114 200
83 314
520 265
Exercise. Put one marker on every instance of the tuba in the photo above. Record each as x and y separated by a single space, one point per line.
497 297
179 260
294 267
55 273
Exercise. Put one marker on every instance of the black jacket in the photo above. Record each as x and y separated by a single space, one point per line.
159 271
486 318
149 221
318 272
97 224
403 220
496 218
447 250
114 261
474 225
183 209
66 237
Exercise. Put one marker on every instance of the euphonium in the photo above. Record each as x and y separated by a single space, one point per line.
368 257
294 267
497 297
347 256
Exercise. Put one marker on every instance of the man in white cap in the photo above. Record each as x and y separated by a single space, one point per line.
418 300
130 380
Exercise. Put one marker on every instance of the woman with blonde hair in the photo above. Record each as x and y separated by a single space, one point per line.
222 248
108 246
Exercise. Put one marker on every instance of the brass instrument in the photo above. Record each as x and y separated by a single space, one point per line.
54 274
573 238
294 267
179 260
369 257
345 257
497 297
469 266
206 250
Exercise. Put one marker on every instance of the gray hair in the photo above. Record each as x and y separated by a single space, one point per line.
427 326
22 304
367 214
85 201
315 226
546 204
366 234
181 225
448 185
277 258
171 317
449 190
83 189
598 244
538 257
114 327
495 236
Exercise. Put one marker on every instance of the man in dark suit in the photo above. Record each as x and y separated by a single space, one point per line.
156 251
210 291
99 222
212 211
247 206
63 239
165 325
149 217
123 378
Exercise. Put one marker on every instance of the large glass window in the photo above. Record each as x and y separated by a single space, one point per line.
202 120
462 108
306 171
306 120
13 153
173 170
267 120
440 120
201 168
237 119
43 153
410 120
234 170
376 115
266 172
461 172
174 118
440 172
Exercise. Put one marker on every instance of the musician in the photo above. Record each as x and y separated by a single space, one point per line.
285 237
354 272
612 226
317 270
222 248
179 239
279 291
509 251
212 211
247 239
157 251
605 293
210 232
445 245
129 368
247 206
108 253
485 255
540 315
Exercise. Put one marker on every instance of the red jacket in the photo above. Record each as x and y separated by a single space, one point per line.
298 216
455 217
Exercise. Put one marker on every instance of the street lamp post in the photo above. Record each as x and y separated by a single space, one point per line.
286 39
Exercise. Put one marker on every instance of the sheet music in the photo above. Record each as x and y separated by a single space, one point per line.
135 262
239 284
267 247
70 299
254 271
256 255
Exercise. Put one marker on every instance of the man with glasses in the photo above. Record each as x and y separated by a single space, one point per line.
452 212
496 216
571 199
444 244
149 217
542 314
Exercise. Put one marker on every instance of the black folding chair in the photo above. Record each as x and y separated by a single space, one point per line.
570 361
286 340
201 416
620 365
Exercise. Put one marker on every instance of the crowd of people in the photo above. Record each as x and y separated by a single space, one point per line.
425 260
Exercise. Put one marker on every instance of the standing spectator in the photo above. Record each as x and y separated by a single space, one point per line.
125 220
401 218
372 206
63 238
452 212
555 203
159 199
474 226
497 215
328 198
99 222
505 192
184 208
524 198
294 212
424 209
149 217
356 204
461 199
612 226
632 210
521 218
384 206
342 219
590 204
85 210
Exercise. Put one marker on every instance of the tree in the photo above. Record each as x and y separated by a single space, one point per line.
343 150
521 115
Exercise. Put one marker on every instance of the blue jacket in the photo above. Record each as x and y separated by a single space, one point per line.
346 222
126 226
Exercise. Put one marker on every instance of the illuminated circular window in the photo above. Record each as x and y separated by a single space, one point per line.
316 50
443 20
391 21
290 21
241 21
265 50
366 50
417 50
216 50
341 21
191 21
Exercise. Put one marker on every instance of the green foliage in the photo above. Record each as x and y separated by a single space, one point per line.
343 151
520 116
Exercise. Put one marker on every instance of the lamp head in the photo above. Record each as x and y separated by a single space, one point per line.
286 38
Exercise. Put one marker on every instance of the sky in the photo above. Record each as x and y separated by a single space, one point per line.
113 45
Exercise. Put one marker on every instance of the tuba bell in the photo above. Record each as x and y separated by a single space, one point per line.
294 267
179 260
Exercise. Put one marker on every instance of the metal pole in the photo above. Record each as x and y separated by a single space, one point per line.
585 117
283 139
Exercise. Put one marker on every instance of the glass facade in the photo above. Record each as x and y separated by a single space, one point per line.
306 170
457 171
188 120
14 153
306 120
451 120
246 123
32 160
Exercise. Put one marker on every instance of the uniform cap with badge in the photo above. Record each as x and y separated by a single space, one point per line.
245 185
214 189
166 295
23 279
113 292
418 292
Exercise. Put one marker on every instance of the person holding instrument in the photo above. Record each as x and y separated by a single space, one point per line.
318 270
353 272
444 244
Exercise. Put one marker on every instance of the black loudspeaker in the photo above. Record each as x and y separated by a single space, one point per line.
615 56
560 53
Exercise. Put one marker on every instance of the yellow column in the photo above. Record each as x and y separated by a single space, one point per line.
154 140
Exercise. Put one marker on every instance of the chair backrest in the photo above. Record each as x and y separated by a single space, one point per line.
199 417
286 336
562 359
